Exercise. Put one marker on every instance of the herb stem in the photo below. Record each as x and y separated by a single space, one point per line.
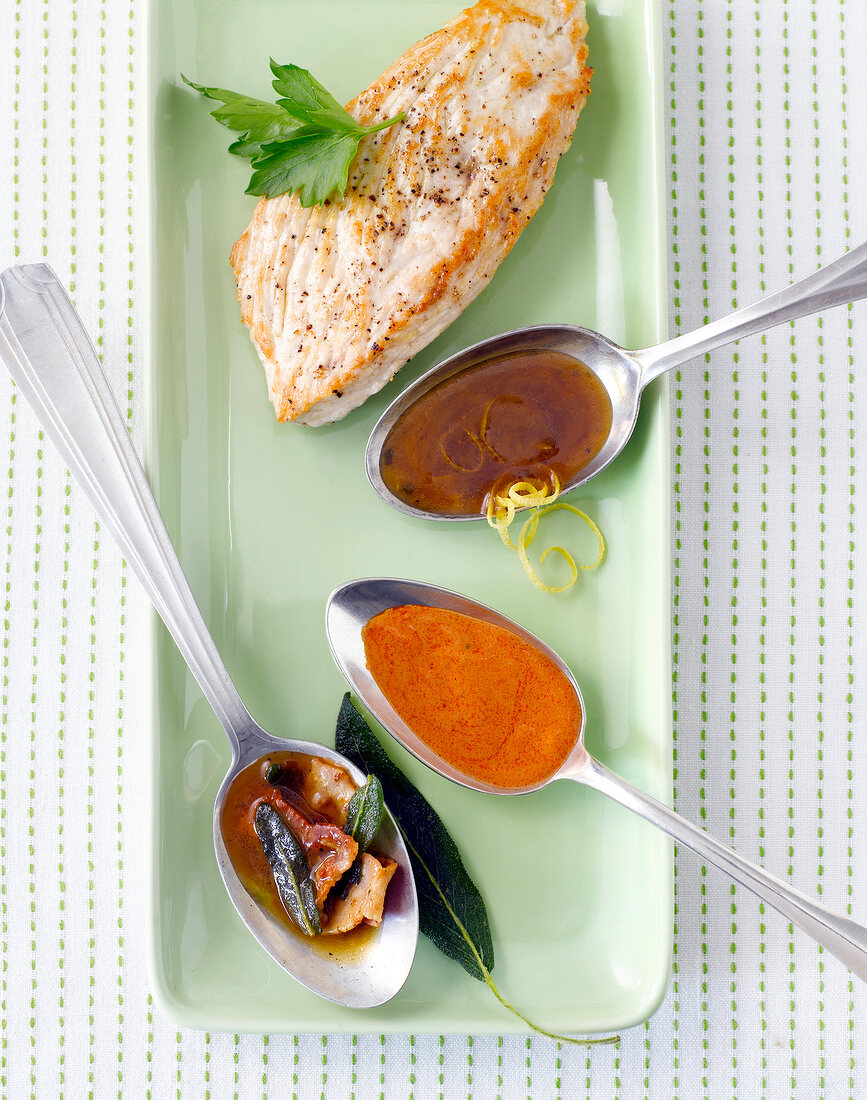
385 125
489 981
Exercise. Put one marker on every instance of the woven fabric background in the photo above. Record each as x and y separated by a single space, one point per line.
766 112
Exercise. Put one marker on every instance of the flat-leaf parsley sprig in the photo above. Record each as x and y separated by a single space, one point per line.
304 142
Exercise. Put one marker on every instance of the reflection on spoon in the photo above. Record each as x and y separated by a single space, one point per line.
48 353
400 441
454 726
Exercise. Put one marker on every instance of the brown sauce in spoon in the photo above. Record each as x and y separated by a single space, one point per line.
514 418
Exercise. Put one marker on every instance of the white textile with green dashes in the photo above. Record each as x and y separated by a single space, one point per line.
766 112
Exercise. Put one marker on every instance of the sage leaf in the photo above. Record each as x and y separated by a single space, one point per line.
364 813
289 867
451 910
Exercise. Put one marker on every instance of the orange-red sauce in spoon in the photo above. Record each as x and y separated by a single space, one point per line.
482 698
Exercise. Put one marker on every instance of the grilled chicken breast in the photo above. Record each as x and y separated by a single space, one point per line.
338 297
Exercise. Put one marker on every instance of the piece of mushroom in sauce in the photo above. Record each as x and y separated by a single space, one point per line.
310 795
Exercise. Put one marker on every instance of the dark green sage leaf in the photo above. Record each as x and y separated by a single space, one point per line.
364 813
451 910
289 866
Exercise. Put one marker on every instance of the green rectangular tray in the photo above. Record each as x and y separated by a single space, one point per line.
269 518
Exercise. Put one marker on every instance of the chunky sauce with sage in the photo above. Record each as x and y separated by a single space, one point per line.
484 699
248 790
513 418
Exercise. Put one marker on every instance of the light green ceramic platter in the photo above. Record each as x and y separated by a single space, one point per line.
269 518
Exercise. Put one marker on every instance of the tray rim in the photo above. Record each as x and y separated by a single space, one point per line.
165 996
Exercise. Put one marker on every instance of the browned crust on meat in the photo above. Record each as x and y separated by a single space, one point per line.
507 208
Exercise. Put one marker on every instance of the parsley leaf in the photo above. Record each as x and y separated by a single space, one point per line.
304 142
307 100
256 120
312 161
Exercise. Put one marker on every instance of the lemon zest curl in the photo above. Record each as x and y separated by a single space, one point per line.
500 514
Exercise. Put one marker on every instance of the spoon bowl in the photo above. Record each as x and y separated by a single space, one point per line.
53 362
624 374
361 979
616 368
351 607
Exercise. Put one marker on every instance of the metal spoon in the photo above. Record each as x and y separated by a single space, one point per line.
625 374
353 605
48 353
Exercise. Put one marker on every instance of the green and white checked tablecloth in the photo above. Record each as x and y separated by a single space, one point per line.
766 116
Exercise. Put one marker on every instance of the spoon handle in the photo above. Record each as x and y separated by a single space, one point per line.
844 280
839 935
54 364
